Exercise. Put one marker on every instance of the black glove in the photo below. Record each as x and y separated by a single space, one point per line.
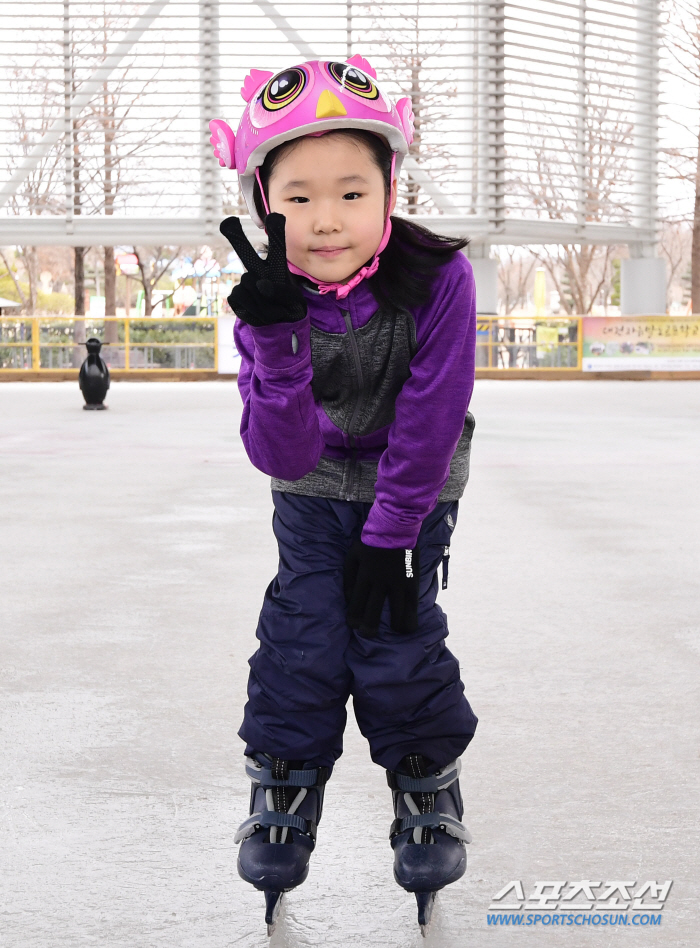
266 294
371 574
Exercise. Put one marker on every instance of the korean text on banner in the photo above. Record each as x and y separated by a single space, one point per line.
647 343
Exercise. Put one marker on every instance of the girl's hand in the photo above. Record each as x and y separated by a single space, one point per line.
371 575
266 294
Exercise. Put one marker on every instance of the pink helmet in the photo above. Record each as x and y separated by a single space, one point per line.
311 97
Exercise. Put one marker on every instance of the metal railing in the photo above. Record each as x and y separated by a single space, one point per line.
185 344
50 344
203 346
551 343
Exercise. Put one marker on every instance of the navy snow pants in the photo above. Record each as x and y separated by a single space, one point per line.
406 689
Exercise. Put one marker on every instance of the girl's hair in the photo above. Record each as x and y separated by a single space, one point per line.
414 254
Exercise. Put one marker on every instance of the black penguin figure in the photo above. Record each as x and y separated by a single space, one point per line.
94 377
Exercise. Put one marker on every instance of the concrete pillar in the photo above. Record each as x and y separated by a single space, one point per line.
228 359
486 279
642 286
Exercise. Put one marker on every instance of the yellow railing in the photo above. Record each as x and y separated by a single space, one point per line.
48 343
546 344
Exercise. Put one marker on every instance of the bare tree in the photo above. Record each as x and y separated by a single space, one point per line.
110 141
514 273
233 201
32 114
76 147
675 244
102 140
12 273
683 35
51 261
153 266
412 47
579 272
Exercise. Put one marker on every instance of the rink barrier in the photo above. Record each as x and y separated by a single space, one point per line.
547 344
50 348
53 346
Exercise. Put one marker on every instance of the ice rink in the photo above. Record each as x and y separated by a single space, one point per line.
135 547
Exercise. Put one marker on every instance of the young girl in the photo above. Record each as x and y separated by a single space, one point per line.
357 335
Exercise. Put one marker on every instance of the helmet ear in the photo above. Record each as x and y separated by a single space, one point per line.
223 140
405 110
362 64
253 81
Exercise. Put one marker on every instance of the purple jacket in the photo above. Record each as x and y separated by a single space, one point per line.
360 403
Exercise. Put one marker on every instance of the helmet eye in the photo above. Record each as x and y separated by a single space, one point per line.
352 79
283 89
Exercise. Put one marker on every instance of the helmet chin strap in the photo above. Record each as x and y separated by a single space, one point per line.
342 289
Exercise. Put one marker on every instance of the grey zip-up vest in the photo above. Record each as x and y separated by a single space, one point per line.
357 376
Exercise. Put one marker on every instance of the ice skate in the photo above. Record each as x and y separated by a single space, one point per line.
427 835
279 836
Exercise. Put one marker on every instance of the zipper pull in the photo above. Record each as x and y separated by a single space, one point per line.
445 566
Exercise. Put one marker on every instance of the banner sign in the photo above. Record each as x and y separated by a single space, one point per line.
647 343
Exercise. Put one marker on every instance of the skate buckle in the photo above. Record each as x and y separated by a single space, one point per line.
434 820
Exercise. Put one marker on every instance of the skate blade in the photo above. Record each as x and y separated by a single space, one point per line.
426 901
273 904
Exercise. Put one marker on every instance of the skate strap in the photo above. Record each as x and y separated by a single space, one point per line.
316 777
271 818
432 784
434 820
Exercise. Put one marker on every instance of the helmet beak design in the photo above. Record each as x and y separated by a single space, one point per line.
329 105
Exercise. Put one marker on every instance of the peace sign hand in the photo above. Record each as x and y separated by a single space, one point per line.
266 294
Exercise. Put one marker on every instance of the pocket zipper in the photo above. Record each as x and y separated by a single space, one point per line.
445 566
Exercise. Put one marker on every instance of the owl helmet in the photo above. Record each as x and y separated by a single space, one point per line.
307 99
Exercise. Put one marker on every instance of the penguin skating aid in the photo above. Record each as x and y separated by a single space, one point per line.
93 378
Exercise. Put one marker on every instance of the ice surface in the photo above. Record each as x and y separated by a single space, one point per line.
135 547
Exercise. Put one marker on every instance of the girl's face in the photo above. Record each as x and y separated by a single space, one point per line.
332 194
